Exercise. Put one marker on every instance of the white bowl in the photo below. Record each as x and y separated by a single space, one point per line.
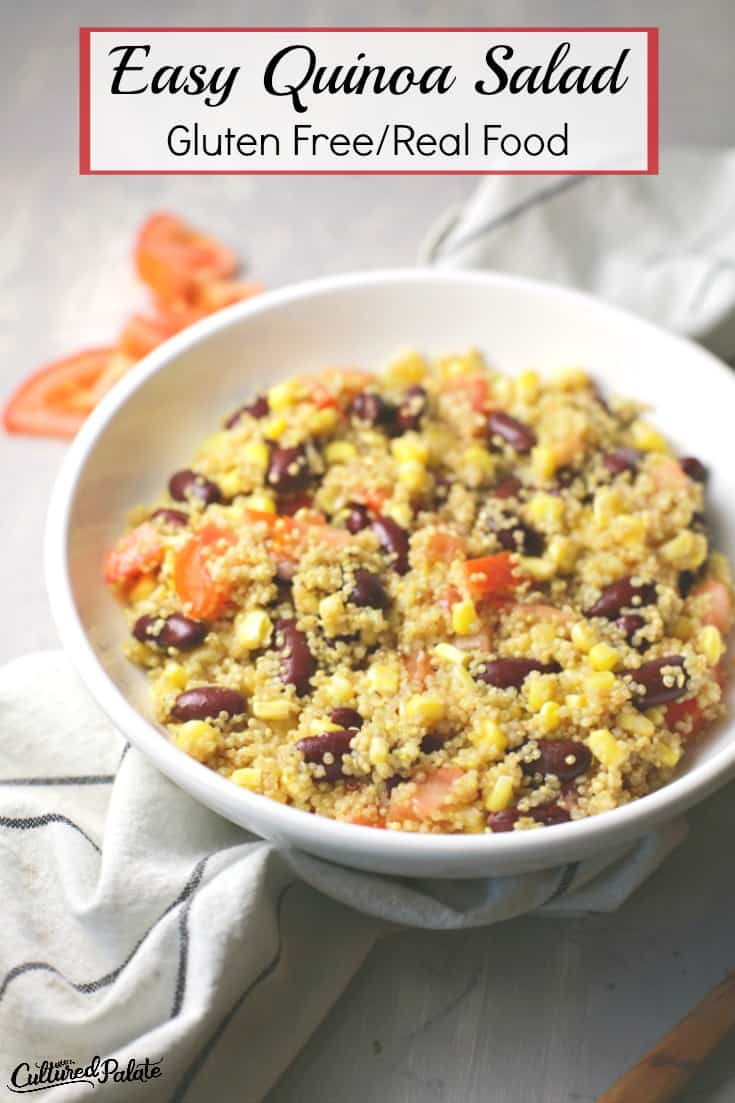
149 425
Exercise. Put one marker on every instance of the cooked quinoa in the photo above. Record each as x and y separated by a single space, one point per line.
439 599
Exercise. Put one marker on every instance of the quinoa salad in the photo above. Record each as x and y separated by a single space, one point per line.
438 599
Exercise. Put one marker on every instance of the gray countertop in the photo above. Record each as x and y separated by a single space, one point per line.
531 1011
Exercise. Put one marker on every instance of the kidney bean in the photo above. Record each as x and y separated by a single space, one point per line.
695 469
315 748
258 408
373 409
298 664
518 537
176 518
621 459
412 408
511 673
655 690
394 540
288 469
503 821
358 517
553 759
346 717
368 591
686 582
186 484
432 741
207 702
507 488
519 436
550 814
289 504
615 597
176 630
629 624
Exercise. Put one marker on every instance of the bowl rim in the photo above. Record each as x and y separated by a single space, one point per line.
631 820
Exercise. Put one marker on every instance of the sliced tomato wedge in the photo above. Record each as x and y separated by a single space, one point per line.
136 553
174 259
493 576
204 598
54 401
142 333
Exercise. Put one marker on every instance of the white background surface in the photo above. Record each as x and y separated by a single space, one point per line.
529 1012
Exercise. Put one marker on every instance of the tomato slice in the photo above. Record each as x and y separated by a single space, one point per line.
442 546
136 553
142 333
679 711
174 259
428 797
492 576
474 387
205 598
54 401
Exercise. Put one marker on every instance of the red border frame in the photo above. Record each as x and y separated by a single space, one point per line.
652 113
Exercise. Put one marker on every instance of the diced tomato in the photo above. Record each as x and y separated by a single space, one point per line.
368 820
418 667
205 598
135 554
719 611
494 576
679 711
143 332
424 799
54 401
448 597
474 387
174 260
287 534
667 473
376 499
444 546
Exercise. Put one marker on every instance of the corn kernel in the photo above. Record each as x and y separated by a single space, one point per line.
686 551
256 453
504 389
668 755
378 750
682 627
412 475
409 367
546 510
231 483
277 708
248 777
572 379
575 701
563 552
647 438
528 385
599 683
500 795
603 657
449 654
606 506
323 724
711 644
605 747
630 529
488 735
141 589
635 723
173 676
339 451
539 688
478 465
583 637
253 629
383 678
464 618
549 716
544 461
410 446
260 503
338 690
400 512
276 427
539 569
197 738
320 422
283 395
331 610
427 708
